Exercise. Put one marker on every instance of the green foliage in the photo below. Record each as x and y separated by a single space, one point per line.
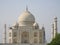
56 40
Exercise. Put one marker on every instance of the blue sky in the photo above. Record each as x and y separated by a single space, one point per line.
43 10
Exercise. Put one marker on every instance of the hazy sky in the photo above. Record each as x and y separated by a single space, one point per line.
43 10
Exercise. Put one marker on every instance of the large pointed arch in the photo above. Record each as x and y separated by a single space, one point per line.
25 37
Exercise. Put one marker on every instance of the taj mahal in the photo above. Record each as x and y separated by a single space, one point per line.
26 31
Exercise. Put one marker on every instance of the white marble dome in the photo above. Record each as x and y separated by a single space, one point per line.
26 18
35 24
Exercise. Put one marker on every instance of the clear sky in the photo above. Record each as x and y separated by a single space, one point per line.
43 10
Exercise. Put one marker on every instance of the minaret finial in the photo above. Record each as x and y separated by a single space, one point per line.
26 8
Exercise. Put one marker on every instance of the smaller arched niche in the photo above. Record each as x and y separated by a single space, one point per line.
25 37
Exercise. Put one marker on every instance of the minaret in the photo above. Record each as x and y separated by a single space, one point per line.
43 33
54 27
4 33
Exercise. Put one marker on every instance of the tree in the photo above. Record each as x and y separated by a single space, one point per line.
56 40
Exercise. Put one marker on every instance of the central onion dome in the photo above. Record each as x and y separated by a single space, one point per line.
26 18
